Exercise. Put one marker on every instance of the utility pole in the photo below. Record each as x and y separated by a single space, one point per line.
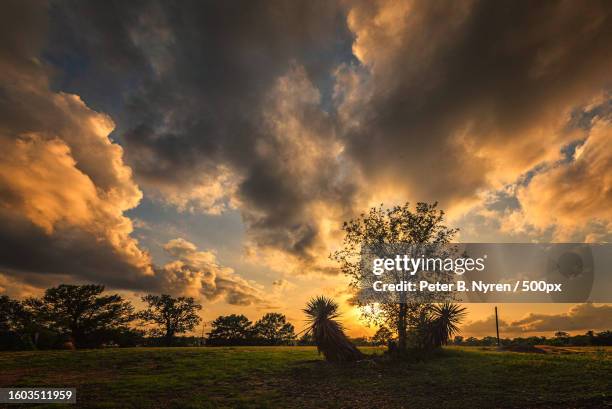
496 325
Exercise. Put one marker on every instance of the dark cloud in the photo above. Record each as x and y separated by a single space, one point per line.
578 318
581 317
201 124
482 327
26 248
262 106
63 184
461 97
64 189
464 97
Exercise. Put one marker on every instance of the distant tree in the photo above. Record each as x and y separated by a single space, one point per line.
383 336
458 340
230 330
306 339
472 341
361 341
273 329
81 313
327 332
603 338
172 316
11 314
399 225
16 325
491 341
561 334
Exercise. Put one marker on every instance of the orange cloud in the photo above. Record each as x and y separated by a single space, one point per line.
572 195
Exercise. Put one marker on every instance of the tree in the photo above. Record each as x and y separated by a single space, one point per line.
399 225
327 331
172 316
306 339
81 313
561 334
383 336
603 338
11 313
273 329
230 330
16 324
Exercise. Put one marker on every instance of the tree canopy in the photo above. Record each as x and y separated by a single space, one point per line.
230 330
423 225
171 316
273 329
81 312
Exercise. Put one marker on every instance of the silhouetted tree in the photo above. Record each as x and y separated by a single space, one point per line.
383 336
399 225
11 312
172 316
273 329
603 338
16 325
230 330
81 312
306 339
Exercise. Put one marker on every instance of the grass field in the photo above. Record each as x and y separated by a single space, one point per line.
253 377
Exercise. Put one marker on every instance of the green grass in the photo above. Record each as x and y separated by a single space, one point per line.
254 377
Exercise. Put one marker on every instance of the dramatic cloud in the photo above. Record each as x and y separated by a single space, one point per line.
261 107
63 184
581 317
229 110
578 318
574 196
482 327
64 189
452 100
197 273
297 115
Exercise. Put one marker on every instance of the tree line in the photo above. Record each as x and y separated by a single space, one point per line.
84 316
560 338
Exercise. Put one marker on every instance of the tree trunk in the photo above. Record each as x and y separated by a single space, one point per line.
401 329
168 338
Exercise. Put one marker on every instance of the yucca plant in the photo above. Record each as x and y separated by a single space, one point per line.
328 332
444 322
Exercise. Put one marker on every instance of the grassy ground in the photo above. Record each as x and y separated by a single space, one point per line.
253 377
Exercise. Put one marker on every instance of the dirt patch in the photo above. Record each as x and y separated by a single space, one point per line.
11 377
559 350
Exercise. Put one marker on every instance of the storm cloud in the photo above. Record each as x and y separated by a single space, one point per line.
581 317
298 115
281 110
64 188
457 98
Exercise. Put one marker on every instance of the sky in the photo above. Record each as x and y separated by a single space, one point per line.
213 149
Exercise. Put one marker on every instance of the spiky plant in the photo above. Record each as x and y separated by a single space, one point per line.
328 332
445 319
